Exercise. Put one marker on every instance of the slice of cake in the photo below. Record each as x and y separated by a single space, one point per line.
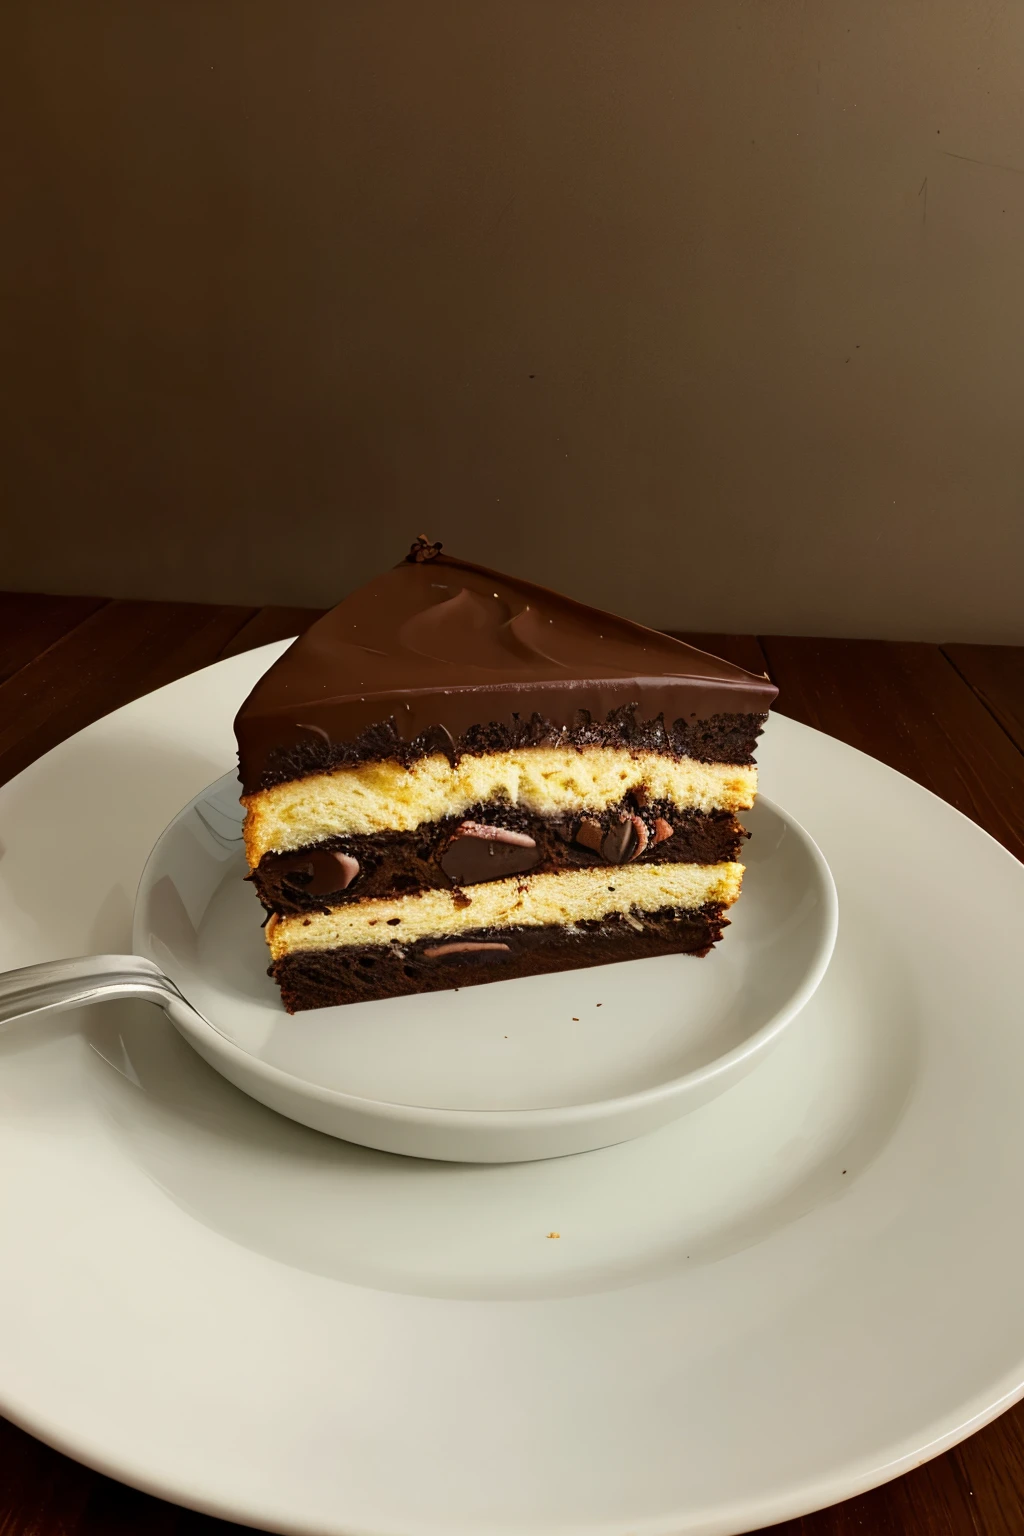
458 777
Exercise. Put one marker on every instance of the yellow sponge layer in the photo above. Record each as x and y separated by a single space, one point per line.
380 797
527 901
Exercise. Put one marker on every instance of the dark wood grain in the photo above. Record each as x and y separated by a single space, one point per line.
269 624
930 1501
741 650
992 1464
907 705
949 721
121 651
31 622
996 674
43 1493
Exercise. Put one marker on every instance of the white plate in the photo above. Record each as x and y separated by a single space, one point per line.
800 1290
538 1067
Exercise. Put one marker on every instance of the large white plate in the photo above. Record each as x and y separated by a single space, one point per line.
797 1291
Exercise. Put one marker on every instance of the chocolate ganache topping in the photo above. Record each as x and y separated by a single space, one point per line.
440 655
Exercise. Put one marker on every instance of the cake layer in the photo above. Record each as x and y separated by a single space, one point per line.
531 901
439 654
370 798
724 738
493 842
363 973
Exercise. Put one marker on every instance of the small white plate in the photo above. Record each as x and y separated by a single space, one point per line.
502 1072
804 1288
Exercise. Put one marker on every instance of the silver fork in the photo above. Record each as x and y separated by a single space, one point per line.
57 984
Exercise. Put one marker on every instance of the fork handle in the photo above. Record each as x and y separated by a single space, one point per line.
57 984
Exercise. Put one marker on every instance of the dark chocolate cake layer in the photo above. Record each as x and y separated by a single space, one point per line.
439 655
724 738
355 974
492 842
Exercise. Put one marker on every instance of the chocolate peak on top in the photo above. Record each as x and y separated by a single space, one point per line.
421 550
437 654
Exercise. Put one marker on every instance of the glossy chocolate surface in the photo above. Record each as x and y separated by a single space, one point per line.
433 650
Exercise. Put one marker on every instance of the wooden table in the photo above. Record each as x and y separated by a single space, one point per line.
951 717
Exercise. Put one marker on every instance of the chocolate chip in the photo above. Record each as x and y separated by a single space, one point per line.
437 738
590 834
626 838
617 845
297 873
320 871
475 853
642 837
662 830
494 834
465 947
422 550
332 871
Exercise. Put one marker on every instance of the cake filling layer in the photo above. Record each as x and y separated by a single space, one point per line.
533 901
361 973
492 842
370 798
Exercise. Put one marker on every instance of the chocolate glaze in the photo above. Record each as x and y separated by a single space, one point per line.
442 655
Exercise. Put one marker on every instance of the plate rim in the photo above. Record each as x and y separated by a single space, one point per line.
804 1499
845 1481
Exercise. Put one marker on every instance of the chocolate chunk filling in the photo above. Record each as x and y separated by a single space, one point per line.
463 947
617 845
642 836
477 852
458 852
590 834
319 871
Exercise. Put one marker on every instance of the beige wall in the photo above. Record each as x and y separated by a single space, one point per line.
584 289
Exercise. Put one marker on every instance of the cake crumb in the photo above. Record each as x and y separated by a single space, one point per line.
554 1234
